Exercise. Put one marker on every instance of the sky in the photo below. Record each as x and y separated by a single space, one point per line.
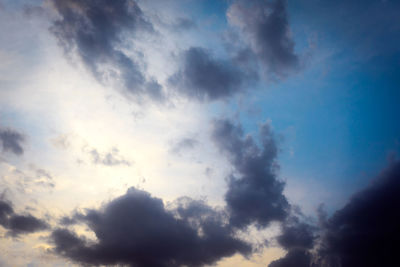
221 133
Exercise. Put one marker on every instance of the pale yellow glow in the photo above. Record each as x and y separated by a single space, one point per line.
262 259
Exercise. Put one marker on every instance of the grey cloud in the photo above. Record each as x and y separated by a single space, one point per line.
294 258
11 140
111 158
204 77
264 25
66 221
296 235
5 211
183 144
95 30
297 238
43 178
23 224
17 224
254 192
136 229
363 233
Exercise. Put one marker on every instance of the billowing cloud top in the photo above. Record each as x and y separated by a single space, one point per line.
206 78
362 233
255 193
136 229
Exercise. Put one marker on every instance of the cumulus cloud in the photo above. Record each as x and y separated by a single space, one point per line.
11 141
264 26
294 258
204 77
18 224
254 192
136 229
95 30
297 238
363 233
296 235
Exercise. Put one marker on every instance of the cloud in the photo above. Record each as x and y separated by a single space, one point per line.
5 211
11 140
294 258
297 238
25 181
17 224
254 192
204 77
183 144
363 233
111 158
296 235
96 29
41 178
264 26
136 229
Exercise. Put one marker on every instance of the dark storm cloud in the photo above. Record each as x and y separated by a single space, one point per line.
11 141
17 224
294 258
95 30
204 77
297 238
264 25
254 192
111 158
366 231
296 235
137 230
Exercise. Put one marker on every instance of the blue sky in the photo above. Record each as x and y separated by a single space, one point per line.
338 114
